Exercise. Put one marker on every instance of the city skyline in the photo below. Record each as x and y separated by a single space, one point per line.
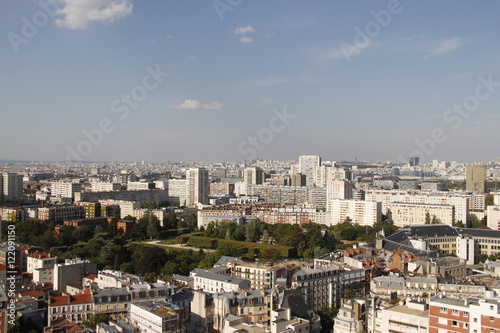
233 81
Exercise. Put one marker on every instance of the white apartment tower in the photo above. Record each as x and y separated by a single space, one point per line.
197 186
339 189
65 189
307 166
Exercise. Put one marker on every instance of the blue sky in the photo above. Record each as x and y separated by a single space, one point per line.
351 85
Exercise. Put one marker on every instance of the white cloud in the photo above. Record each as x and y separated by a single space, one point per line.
213 106
243 30
78 14
246 40
447 46
192 104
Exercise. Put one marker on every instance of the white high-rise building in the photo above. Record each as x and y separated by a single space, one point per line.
307 166
197 186
339 189
11 186
65 189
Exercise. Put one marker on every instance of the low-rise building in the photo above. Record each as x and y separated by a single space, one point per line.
464 315
214 283
327 285
76 308
156 317
400 317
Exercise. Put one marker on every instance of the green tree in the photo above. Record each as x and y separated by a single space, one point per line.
327 316
253 231
149 205
170 221
65 235
83 234
435 220
153 259
427 218
489 200
153 228
96 319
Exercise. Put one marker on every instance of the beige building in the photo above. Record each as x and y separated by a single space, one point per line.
404 214
351 317
493 213
475 178
458 201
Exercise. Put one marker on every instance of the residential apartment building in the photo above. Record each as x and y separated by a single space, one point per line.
76 308
408 316
197 186
475 178
11 187
177 191
404 214
463 315
212 282
105 186
326 285
264 275
360 212
65 189
351 317
59 214
460 202
339 189
493 219
140 196
307 166
156 317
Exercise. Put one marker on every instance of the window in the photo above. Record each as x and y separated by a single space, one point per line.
443 310
454 323
465 314
455 312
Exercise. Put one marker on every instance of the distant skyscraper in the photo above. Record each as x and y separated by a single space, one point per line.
475 178
253 176
197 186
12 186
414 161
307 166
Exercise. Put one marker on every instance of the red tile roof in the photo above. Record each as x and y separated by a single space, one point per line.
33 293
86 297
39 255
